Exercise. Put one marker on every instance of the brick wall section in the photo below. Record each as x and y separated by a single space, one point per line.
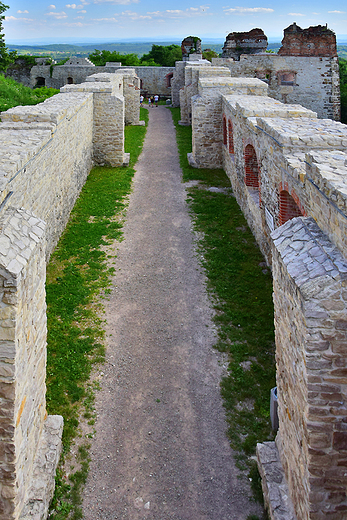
288 208
251 167
310 277
22 351
313 41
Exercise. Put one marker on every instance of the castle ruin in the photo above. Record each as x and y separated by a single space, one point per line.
288 170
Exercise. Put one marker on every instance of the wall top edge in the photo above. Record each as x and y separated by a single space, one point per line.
312 261
21 231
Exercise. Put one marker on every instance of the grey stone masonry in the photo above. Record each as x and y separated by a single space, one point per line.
326 184
310 279
312 81
22 351
36 154
207 120
108 116
275 487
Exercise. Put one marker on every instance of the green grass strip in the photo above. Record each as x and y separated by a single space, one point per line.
78 272
241 288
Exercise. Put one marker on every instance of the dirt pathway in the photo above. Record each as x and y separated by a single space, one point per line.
160 451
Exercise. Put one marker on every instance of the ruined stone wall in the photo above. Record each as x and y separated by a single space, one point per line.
207 117
22 354
312 82
47 151
43 137
288 171
310 277
154 80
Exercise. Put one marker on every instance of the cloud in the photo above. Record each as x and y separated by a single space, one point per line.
248 10
337 12
83 11
296 14
51 7
116 2
108 20
22 12
58 16
74 6
74 24
16 19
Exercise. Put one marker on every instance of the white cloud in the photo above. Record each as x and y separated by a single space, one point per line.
83 11
58 16
75 24
16 19
248 10
116 2
337 12
110 20
74 6
180 13
51 7
296 14
22 12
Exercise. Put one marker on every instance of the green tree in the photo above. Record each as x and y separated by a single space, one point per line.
208 54
164 55
6 57
100 58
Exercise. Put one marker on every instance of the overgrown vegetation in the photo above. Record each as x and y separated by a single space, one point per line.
343 89
159 55
13 94
78 273
240 285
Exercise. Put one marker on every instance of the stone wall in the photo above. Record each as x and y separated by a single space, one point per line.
47 151
152 80
288 171
312 82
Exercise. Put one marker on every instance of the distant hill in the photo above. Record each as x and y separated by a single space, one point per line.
61 50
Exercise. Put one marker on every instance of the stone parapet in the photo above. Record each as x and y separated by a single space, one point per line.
22 351
310 276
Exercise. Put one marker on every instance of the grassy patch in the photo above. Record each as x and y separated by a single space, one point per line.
241 289
78 273
13 94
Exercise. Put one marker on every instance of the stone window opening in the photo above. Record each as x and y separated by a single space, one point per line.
252 173
225 131
287 78
264 75
231 137
70 80
288 208
40 81
168 78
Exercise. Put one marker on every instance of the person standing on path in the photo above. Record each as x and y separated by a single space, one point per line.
156 99
160 450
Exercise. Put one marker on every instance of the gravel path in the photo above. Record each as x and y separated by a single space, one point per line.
160 451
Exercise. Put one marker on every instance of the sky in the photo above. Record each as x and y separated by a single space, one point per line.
164 19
